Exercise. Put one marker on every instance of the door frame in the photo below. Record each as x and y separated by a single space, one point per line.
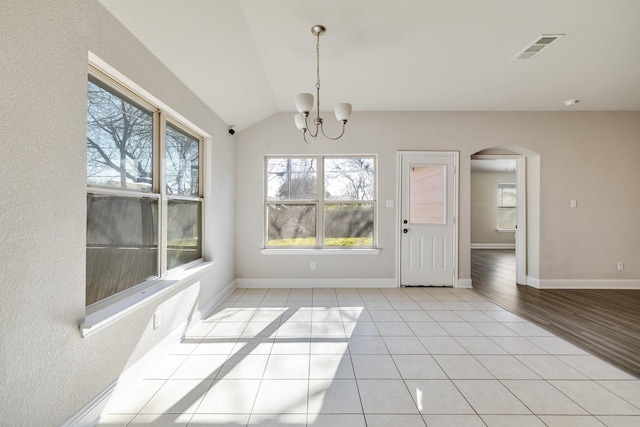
455 196
521 211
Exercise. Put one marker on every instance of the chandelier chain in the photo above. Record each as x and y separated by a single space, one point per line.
318 62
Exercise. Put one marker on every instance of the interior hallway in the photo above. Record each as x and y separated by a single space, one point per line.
373 357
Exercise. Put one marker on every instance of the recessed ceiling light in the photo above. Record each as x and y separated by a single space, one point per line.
570 102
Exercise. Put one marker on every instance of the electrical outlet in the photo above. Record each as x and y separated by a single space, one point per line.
620 265
156 319
313 265
574 203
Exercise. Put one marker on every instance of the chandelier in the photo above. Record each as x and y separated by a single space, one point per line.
304 102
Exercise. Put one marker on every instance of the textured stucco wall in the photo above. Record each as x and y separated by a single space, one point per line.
47 370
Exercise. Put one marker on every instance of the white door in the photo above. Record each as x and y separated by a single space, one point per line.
427 216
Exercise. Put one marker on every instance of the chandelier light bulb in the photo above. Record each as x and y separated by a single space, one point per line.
304 103
343 112
301 123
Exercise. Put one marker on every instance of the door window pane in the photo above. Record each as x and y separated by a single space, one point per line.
291 224
122 243
427 194
349 224
119 140
182 163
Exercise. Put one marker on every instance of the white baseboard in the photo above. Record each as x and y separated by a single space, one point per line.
587 284
90 414
330 283
464 284
317 283
534 282
493 246
208 308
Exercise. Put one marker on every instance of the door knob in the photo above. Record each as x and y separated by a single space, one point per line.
405 230
405 221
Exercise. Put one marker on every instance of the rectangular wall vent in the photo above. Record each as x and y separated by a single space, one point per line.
537 46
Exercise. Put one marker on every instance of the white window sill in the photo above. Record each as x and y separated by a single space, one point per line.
104 316
502 230
314 251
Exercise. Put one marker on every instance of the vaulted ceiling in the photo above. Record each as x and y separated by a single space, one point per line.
247 59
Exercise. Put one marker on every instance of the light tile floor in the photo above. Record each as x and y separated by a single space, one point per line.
373 357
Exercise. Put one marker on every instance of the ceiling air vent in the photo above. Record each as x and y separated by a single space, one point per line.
537 46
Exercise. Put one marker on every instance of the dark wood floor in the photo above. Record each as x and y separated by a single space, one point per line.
605 323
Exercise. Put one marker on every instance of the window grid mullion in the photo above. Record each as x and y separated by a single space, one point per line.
201 170
320 201
160 144
265 205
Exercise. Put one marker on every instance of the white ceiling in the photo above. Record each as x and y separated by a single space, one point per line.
247 59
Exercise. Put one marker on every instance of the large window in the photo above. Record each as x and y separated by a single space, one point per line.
144 192
506 207
317 202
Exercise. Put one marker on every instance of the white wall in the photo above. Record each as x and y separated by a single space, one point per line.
591 157
47 370
484 208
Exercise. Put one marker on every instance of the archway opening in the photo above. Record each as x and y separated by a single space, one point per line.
504 200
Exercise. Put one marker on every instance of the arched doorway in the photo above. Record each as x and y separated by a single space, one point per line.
513 208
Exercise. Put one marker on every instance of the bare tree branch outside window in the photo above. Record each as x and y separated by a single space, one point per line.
182 158
348 178
119 141
291 178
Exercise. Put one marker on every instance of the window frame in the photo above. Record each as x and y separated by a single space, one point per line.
319 203
162 115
